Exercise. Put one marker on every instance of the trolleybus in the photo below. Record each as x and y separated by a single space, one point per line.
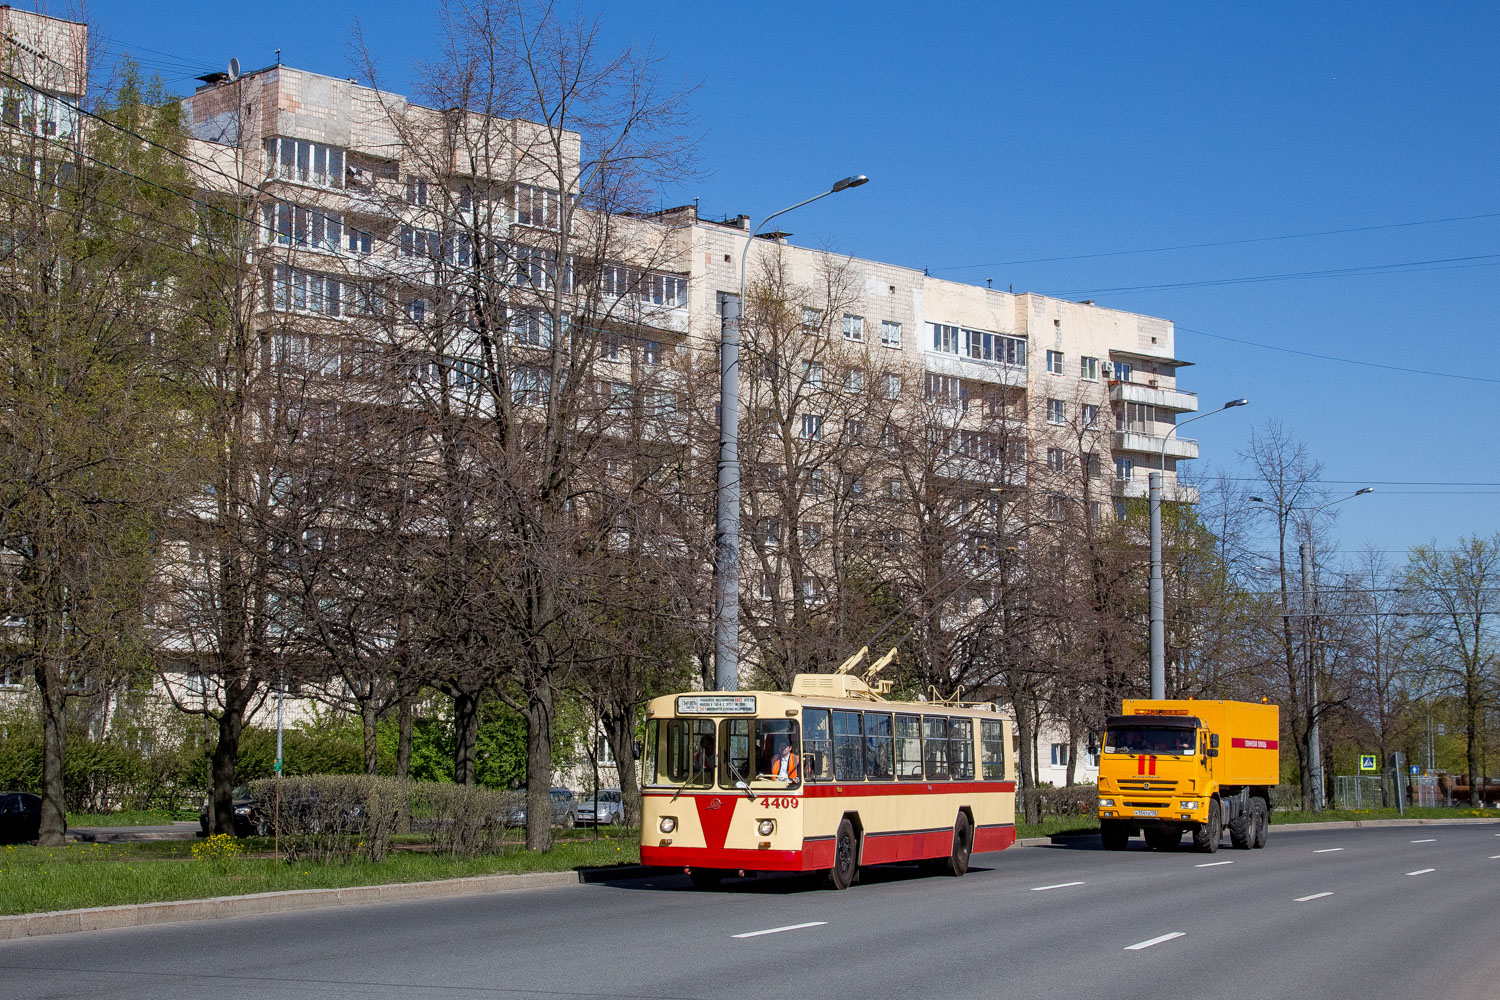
827 778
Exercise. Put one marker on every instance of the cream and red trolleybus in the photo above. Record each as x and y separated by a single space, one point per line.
826 778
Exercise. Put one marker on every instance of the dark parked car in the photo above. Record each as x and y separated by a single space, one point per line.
564 810
249 821
20 817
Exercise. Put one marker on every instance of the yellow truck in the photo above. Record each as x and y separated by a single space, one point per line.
1171 767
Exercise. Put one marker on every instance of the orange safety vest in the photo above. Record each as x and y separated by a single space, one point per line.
791 766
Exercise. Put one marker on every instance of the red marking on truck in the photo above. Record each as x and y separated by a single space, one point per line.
1240 743
1141 765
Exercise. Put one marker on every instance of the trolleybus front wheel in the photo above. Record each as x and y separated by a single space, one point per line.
845 855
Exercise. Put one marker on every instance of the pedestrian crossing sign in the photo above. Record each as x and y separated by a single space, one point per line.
1367 762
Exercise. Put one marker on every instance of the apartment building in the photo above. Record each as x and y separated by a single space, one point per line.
369 210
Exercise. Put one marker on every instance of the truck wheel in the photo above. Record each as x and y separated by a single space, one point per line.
1260 823
1242 830
1114 835
841 875
1163 840
1206 836
963 846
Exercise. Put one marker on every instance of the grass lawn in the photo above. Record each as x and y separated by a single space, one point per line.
34 879
134 817
1412 812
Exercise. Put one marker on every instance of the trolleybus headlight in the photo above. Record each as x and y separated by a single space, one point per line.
767 827
1106 803
668 824
1189 805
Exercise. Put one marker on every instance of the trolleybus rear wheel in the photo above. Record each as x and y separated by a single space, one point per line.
963 846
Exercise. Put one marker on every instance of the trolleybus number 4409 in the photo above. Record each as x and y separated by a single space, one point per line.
779 801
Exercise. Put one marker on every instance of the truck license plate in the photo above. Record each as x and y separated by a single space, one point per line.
1145 812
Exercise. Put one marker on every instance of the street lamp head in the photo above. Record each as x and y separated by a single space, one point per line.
1257 500
850 182
1235 402
1367 489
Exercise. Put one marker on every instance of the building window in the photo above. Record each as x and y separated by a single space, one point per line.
1088 369
812 320
1054 362
292 225
651 352
890 386
854 328
944 338
815 482
1124 469
1122 371
295 290
536 206
1009 351
812 427
656 288
609 347
812 535
890 334
1055 459
307 162
1091 465
1139 417
943 389
1090 414
416 191
812 374
854 380
1060 754
1055 411
893 489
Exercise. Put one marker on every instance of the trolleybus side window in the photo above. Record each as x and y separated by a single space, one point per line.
961 749
879 764
689 758
848 747
817 745
909 747
992 748
935 731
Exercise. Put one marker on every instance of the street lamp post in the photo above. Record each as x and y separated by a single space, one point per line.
1307 558
1158 594
727 535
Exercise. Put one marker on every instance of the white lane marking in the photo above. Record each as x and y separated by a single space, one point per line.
1141 945
1495 856
778 930
1422 871
1060 885
1327 850
1429 840
1316 895
1214 864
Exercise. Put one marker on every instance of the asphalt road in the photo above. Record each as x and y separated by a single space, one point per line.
1361 914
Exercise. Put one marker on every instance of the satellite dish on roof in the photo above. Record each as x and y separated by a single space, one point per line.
234 70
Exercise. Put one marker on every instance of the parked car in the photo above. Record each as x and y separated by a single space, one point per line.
564 809
610 809
20 817
249 820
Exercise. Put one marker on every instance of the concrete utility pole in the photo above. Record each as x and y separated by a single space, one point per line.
727 533
1314 743
1158 592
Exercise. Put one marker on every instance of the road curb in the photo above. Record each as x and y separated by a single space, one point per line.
1357 824
25 925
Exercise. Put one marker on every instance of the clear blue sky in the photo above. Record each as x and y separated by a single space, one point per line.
998 134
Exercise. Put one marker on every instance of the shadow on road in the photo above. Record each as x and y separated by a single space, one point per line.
776 883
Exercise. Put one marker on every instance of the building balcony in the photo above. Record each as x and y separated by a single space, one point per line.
1138 487
1151 444
1163 399
973 369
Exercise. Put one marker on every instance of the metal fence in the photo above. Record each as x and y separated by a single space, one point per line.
1425 792
1361 791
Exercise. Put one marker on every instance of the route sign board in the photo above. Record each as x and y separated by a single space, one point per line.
1367 762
